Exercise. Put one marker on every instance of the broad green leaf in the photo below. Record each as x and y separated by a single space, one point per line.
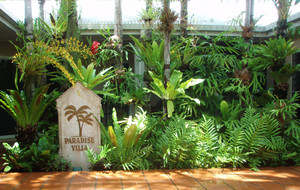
175 78
7 168
170 108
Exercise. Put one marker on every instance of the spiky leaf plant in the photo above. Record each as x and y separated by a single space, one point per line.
26 114
124 147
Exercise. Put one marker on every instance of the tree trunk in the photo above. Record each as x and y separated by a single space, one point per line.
28 19
167 47
184 18
72 30
118 30
283 10
41 8
30 83
42 80
166 54
149 28
247 32
249 12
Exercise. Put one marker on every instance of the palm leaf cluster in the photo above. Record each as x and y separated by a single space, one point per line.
124 147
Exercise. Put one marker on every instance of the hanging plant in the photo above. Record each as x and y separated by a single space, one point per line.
167 20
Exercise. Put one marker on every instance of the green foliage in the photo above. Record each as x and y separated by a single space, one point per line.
151 54
15 158
124 89
176 145
38 157
273 53
175 89
124 147
90 79
26 114
106 51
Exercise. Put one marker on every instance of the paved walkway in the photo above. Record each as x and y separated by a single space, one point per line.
220 179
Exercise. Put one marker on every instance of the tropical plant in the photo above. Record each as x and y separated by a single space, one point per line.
14 158
283 10
89 77
175 88
38 157
125 88
58 51
150 54
176 145
149 15
272 55
124 148
26 114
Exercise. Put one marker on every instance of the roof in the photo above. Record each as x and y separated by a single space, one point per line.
78 88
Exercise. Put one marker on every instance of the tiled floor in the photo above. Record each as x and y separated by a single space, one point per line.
220 179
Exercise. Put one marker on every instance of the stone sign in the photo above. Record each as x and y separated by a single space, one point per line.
78 129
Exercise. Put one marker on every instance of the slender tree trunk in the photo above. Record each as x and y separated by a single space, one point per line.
118 30
72 31
249 12
283 10
30 83
184 18
247 32
28 19
42 80
149 28
167 46
41 8
167 42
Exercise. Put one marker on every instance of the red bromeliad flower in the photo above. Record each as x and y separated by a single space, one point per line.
94 47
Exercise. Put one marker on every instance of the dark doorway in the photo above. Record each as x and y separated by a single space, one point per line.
7 73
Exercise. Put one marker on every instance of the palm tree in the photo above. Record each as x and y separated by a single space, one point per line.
28 19
248 25
118 30
167 20
72 30
283 9
183 18
149 29
41 8
81 115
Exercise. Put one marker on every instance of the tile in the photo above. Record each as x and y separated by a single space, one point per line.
58 186
200 174
111 177
108 186
61 178
2 174
84 177
13 179
179 175
242 185
132 176
269 185
31 186
289 173
37 177
214 184
135 185
83 186
156 176
162 185
193 184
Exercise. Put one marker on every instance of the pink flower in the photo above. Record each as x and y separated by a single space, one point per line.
94 47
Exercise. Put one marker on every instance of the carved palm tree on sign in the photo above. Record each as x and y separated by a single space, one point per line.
81 114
